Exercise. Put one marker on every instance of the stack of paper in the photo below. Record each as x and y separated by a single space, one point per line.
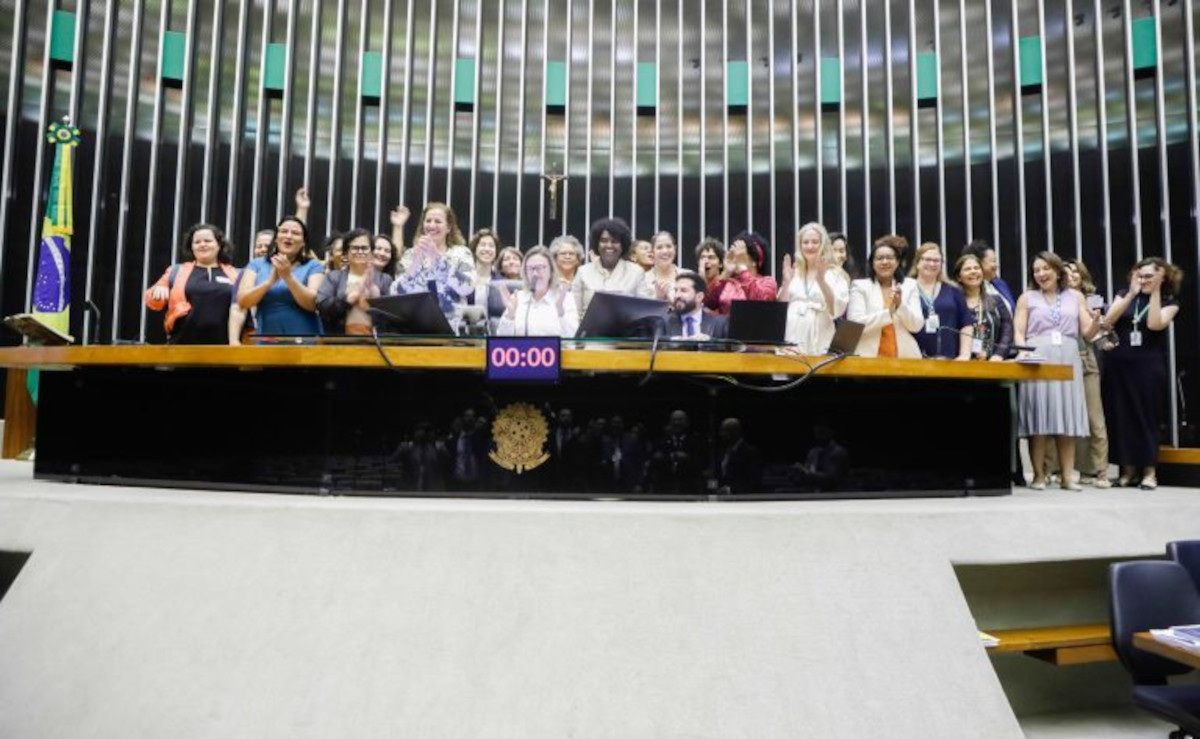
1184 636
988 640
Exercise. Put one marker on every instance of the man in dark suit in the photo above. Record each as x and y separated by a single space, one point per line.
687 319
678 459
739 468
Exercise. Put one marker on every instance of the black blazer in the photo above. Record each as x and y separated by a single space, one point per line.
715 327
331 300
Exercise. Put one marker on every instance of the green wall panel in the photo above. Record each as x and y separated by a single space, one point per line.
556 84
274 77
174 48
738 74
831 76
62 37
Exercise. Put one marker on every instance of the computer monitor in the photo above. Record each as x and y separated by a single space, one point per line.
758 321
417 313
616 315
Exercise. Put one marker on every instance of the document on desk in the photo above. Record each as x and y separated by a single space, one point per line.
1184 636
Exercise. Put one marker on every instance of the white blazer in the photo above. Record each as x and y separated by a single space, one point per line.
867 308
809 320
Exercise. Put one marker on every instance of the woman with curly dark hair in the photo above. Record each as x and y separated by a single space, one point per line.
1135 379
198 290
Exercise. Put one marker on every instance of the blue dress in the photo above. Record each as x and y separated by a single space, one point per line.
278 312
953 315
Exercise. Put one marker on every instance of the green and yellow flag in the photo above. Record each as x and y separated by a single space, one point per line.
52 287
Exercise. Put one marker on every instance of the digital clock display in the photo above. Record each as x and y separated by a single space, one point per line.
524 358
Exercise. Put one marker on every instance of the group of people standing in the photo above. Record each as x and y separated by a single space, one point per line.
909 304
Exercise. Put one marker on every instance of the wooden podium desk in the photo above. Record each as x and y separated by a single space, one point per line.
321 418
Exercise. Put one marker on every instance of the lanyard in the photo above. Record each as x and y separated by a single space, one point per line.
926 300
1138 315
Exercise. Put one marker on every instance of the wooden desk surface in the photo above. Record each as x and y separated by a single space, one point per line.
472 358
1147 643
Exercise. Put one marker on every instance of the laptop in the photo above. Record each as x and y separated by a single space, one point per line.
846 334
758 321
417 313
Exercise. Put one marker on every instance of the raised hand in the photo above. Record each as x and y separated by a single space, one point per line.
821 265
510 301
662 289
302 200
894 303
281 266
399 216
563 291
789 271
159 292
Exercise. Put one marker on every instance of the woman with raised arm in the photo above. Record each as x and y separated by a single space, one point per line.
993 334
1136 380
439 261
544 307
720 292
886 305
1051 317
948 325
342 297
660 279
816 291
745 263
198 291
284 284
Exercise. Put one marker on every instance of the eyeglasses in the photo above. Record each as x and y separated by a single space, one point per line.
361 247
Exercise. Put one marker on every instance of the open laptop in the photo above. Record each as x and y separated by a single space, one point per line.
758 321
417 313
615 315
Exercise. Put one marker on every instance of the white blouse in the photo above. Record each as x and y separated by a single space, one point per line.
540 317
810 320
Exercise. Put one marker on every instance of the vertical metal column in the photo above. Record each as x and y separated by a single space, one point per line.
1073 122
1102 119
941 136
749 127
589 123
454 105
216 53
1019 152
679 127
864 61
843 215
81 14
429 95
1046 178
888 114
658 125
381 142
475 114
725 119
521 113
995 164
1131 120
406 114
966 118
545 62
1189 59
185 127
818 114
335 123
612 110
260 132
500 111
152 178
314 78
633 180
704 120
915 118
771 128
795 106
285 124
359 114
131 100
566 183
1164 197
35 212
99 166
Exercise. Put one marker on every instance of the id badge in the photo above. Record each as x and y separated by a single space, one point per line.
1056 338
1135 338
977 346
931 324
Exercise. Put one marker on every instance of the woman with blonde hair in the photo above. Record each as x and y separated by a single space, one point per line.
948 324
439 258
815 290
